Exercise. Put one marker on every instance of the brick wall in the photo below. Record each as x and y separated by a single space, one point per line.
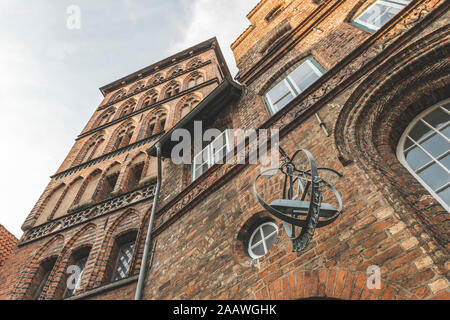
8 243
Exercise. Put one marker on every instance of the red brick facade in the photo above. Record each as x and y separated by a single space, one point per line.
8 243
374 85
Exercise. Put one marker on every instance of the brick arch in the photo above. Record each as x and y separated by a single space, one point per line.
193 62
109 113
130 103
135 87
101 183
147 94
115 135
98 139
156 115
193 75
329 283
22 286
46 201
179 106
117 95
174 71
371 122
128 166
164 91
155 79
63 197
82 238
118 227
85 184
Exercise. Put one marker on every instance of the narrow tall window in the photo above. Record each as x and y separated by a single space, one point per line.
109 185
135 176
211 154
295 83
124 261
80 264
424 149
378 13
43 274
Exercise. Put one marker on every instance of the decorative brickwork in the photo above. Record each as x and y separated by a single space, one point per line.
8 243
372 87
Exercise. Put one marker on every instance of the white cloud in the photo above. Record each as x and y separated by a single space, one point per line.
224 19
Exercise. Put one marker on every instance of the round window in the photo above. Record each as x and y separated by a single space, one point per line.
262 239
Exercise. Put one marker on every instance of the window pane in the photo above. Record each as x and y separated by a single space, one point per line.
268 229
378 14
419 131
259 250
446 132
445 195
257 237
436 145
434 176
408 143
446 161
437 118
123 263
416 158
304 75
280 95
271 241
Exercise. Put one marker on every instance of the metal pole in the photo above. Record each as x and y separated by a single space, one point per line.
148 240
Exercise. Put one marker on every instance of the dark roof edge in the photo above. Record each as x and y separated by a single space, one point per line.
216 93
198 48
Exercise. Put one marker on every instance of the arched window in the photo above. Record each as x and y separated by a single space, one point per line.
128 108
262 239
175 71
124 138
151 127
91 151
51 204
195 80
150 99
156 79
135 171
69 197
172 89
41 277
424 149
140 85
109 182
117 96
78 261
194 62
162 122
120 258
378 13
188 105
89 187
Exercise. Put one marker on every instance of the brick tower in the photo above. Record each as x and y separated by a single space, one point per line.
96 204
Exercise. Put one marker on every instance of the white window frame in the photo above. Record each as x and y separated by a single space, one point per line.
399 4
291 85
210 153
259 230
401 152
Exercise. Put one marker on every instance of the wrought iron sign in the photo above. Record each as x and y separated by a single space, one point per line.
304 209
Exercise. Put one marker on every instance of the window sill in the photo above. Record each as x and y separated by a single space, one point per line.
105 288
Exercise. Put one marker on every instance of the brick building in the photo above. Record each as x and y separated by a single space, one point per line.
8 242
376 74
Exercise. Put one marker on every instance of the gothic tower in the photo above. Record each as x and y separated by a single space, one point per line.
96 205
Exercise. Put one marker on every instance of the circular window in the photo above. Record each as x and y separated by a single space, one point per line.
262 239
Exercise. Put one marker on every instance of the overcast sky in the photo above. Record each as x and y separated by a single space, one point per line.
50 75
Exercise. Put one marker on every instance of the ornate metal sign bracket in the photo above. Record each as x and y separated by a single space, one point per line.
304 209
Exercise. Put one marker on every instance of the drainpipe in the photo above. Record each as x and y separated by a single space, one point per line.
148 240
